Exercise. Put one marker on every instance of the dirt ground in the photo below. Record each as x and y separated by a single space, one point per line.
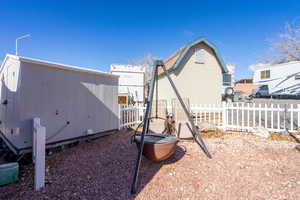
243 167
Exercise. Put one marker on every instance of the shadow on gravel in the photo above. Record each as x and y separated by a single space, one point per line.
149 168
101 169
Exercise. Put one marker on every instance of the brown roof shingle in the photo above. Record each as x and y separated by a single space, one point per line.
170 61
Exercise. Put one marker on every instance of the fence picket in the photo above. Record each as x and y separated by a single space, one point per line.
253 113
232 114
272 116
243 112
209 114
259 114
298 122
292 118
248 115
284 117
266 115
200 116
214 114
278 117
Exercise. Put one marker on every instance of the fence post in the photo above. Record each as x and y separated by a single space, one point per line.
298 117
39 150
119 113
224 116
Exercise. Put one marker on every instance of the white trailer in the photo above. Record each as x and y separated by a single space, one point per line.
279 79
71 102
131 81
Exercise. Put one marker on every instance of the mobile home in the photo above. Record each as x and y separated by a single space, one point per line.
71 102
277 79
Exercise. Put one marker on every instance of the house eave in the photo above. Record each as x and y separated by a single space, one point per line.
193 43
56 65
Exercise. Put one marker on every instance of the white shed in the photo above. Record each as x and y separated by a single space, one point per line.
71 102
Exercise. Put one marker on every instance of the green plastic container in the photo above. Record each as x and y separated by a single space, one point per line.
9 172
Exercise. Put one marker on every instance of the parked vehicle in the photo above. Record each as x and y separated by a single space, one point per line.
280 80
261 91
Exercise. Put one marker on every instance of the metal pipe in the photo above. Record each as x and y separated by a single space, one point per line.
156 78
19 38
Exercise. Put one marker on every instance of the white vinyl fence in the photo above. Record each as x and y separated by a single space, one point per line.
247 116
130 115
235 116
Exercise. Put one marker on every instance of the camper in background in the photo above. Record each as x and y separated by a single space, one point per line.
131 83
280 80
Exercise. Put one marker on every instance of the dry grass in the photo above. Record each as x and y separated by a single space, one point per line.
280 137
214 133
273 136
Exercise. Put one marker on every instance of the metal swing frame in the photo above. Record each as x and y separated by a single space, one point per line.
196 136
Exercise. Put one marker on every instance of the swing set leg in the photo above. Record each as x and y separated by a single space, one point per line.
195 134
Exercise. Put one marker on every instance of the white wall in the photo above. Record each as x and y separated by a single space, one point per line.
57 96
200 82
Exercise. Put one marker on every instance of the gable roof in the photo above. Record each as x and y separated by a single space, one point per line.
175 59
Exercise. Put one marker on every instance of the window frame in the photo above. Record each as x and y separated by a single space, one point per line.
265 74
227 83
297 77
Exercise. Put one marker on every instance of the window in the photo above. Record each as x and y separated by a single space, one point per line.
199 55
227 79
265 74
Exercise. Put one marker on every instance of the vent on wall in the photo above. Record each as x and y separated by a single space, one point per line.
199 55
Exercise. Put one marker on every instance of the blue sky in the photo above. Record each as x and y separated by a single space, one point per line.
96 34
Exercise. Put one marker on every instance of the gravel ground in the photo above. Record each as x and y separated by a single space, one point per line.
243 167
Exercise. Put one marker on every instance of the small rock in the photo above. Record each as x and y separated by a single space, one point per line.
206 126
261 131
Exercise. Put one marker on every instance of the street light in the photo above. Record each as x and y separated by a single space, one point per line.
19 38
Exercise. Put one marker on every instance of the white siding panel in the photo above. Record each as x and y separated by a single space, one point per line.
57 96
